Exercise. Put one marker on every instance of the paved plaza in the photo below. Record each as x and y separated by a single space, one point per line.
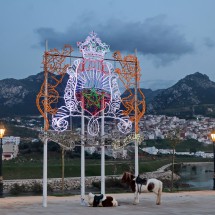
195 202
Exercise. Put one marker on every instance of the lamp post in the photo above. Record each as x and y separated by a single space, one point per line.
2 130
213 139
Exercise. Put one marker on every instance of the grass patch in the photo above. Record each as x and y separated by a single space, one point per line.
17 169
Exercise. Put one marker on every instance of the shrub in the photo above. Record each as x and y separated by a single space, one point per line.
37 188
17 189
109 183
96 184
114 182
49 188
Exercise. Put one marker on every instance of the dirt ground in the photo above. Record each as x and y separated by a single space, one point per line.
183 203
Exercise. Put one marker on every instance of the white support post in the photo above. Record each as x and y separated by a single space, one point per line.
102 153
45 172
136 123
82 159
136 158
102 169
45 151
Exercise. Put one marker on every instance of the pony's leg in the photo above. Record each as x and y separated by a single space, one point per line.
158 199
136 198
158 202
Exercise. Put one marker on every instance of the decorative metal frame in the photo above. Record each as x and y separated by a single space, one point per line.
129 74
92 86
66 139
54 72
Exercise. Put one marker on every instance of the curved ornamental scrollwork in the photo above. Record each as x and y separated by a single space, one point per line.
66 139
55 69
129 74
123 141
92 86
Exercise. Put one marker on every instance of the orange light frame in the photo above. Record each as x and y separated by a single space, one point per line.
129 74
54 72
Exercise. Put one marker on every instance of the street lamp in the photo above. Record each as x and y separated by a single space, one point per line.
213 139
2 130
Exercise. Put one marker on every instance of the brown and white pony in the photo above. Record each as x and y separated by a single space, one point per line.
139 185
101 201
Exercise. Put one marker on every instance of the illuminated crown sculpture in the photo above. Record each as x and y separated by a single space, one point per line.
93 48
92 86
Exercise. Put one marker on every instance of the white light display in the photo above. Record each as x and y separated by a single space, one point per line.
93 86
117 144
66 140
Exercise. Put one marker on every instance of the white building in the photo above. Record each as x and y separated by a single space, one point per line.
150 150
190 135
165 151
10 147
119 153
151 136
158 133
90 149
204 155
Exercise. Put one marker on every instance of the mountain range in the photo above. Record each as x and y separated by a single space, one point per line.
190 96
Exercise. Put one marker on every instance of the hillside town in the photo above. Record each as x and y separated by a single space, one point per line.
158 127
152 127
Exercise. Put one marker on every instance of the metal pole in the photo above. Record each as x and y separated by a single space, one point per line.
102 152
63 166
136 125
102 168
45 151
1 176
70 62
173 161
45 173
214 165
82 158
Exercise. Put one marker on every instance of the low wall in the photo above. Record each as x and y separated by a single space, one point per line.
74 183
55 183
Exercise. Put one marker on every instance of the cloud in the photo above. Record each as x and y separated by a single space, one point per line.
152 37
208 42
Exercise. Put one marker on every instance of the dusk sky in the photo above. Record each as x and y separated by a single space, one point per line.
173 38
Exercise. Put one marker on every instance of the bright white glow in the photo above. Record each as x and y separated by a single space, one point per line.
93 86
213 136
2 130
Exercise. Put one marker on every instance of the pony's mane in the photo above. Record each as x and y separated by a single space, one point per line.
127 177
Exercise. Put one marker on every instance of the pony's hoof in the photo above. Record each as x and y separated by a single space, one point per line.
158 203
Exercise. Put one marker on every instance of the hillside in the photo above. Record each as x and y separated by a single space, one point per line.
190 96
18 97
